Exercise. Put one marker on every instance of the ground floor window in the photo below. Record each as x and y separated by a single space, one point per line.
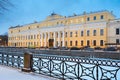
88 43
82 43
117 41
76 43
101 42
65 43
70 43
94 42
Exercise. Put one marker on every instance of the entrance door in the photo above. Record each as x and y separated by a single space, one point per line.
51 42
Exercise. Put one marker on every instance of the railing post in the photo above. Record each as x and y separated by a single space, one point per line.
28 62
97 72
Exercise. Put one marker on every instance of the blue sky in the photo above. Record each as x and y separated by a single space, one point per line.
28 11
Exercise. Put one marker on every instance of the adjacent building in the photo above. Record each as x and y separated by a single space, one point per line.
87 29
114 33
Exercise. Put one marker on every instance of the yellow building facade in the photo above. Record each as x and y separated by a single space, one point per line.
88 29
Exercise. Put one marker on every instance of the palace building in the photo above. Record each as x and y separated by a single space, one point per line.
87 29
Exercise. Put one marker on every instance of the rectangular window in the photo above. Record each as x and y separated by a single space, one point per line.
65 34
117 31
34 36
101 17
82 33
117 41
76 34
94 32
94 18
70 34
65 43
76 43
82 43
70 43
88 43
88 33
101 42
61 43
101 32
88 19
61 34
94 42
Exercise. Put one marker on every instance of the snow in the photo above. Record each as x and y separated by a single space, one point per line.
9 73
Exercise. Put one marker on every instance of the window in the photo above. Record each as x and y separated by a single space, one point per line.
94 18
31 36
88 19
88 43
101 42
101 17
88 32
34 36
117 31
65 43
76 34
61 34
28 27
65 34
82 43
70 43
101 32
94 42
61 43
94 32
57 23
70 34
81 33
37 26
117 41
76 43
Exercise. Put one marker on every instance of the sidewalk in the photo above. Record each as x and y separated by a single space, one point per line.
8 73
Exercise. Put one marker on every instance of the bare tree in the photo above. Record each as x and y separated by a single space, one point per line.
4 5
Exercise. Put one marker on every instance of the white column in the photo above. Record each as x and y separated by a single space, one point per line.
48 35
63 39
59 39
54 39
45 39
41 39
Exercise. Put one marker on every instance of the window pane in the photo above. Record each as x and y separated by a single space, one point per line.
101 42
70 43
76 43
94 42
88 32
81 33
94 32
70 34
88 43
88 19
81 43
101 17
117 31
117 41
94 17
101 32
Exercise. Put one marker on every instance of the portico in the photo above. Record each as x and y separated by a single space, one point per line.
52 37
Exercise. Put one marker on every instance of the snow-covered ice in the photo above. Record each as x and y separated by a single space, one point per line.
8 73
